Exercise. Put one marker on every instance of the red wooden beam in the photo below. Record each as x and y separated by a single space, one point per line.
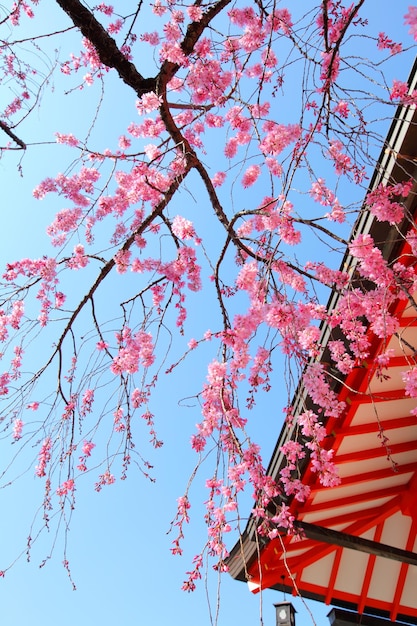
362 516
381 474
371 398
374 453
358 527
403 573
374 426
352 542
368 496
333 575
368 573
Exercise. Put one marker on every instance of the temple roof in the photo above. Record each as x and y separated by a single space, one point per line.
357 546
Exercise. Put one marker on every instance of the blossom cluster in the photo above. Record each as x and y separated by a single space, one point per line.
87 448
326 197
46 270
44 457
382 204
134 350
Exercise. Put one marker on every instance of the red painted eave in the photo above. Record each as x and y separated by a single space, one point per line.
375 452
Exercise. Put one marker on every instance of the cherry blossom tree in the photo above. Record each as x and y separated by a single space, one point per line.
213 224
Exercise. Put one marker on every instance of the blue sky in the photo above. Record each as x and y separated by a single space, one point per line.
118 546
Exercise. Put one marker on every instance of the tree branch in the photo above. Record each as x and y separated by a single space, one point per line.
11 134
106 46
194 31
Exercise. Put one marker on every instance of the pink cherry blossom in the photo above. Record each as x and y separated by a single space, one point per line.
410 380
342 109
66 487
17 429
385 43
382 204
195 13
135 350
183 228
148 103
251 175
44 457
411 19
69 139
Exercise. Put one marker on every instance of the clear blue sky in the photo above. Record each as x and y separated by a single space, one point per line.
118 544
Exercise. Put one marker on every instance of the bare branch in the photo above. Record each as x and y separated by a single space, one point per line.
12 135
106 46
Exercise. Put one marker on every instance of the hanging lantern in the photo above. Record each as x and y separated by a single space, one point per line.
285 613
